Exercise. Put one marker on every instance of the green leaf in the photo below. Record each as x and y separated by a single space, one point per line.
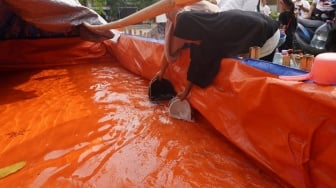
11 169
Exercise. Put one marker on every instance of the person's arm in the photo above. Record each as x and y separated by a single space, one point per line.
311 10
165 61
172 45
184 94
164 65
167 56
305 7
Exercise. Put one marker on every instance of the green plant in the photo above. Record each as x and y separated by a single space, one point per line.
274 15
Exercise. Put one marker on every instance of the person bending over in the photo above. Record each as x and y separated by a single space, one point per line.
173 45
213 36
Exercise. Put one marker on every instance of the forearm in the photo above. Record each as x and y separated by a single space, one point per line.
305 9
164 64
163 67
184 94
167 58
188 87
312 8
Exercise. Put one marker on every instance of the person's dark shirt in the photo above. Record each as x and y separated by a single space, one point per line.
223 34
289 20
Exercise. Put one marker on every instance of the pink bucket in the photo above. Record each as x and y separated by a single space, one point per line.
323 70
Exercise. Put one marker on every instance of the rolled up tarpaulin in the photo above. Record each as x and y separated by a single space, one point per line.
151 11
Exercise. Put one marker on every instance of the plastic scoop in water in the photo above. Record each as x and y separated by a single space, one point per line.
323 70
180 109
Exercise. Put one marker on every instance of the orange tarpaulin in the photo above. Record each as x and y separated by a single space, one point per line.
88 123
75 116
74 125
287 126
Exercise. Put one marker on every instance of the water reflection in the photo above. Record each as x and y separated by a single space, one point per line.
95 127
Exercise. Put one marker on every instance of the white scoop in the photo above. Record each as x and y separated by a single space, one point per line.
180 109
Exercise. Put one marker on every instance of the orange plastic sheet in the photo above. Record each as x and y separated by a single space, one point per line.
288 127
88 122
27 54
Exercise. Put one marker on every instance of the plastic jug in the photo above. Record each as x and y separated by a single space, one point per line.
321 35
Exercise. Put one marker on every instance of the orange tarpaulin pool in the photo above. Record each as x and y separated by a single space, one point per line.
286 126
77 114
74 124
92 125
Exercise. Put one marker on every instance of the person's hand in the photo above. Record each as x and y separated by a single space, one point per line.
185 94
86 24
182 95
89 26
158 75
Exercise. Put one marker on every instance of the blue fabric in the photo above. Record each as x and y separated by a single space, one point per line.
273 68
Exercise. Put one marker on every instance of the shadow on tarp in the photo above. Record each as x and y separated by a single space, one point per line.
13 94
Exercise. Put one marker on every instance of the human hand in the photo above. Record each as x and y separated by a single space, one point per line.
186 93
182 95
89 26
159 75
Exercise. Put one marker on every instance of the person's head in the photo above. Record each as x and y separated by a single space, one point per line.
263 2
287 5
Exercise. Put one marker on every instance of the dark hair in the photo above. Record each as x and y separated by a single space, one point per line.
331 41
289 4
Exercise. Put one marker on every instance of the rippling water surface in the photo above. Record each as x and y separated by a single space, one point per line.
92 125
